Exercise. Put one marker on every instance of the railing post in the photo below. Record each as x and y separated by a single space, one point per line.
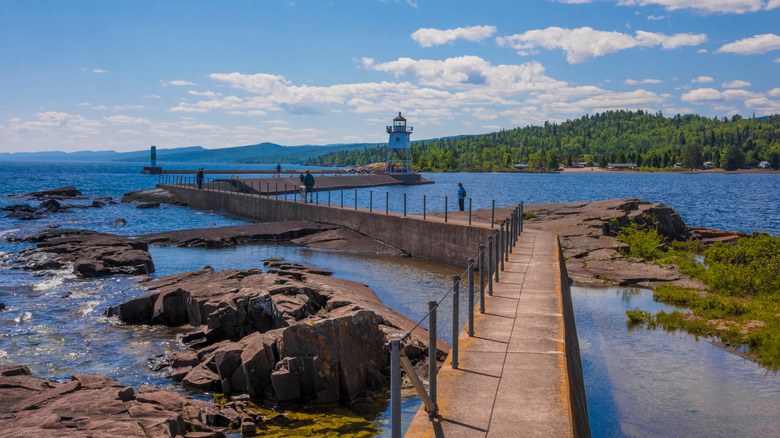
469 211
342 198
481 278
276 191
471 297
328 198
493 214
355 199
497 245
503 246
370 201
424 199
455 324
445 209
395 388
510 226
316 196
522 216
489 272
432 350
285 191
404 204
387 202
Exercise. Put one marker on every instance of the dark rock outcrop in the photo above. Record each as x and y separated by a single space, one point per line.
91 254
149 205
119 222
153 195
24 208
88 406
289 335
59 193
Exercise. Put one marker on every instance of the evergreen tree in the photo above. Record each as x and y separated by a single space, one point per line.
733 158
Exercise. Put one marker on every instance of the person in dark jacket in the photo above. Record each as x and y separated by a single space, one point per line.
199 177
461 196
308 185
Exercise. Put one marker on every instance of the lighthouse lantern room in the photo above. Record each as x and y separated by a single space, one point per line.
399 147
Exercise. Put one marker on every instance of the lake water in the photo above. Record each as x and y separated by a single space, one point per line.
634 377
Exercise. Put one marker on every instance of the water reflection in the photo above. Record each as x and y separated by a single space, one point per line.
654 383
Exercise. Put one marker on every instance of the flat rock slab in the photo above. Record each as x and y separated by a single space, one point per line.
67 192
309 234
101 406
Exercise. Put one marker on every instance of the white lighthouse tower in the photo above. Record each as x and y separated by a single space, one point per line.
399 147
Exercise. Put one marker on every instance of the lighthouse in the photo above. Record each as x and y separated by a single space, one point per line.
399 147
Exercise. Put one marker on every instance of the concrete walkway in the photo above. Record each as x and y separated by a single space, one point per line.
512 380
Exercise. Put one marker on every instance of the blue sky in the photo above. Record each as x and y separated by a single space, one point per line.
104 75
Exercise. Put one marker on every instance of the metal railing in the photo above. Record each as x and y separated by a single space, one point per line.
406 204
489 262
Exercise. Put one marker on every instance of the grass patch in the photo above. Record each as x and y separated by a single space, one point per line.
742 304
529 215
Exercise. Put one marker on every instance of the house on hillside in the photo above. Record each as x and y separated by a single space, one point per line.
621 166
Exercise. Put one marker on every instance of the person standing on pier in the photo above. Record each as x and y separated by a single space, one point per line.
199 178
461 196
278 170
308 185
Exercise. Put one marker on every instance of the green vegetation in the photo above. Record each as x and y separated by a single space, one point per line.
742 303
529 215
652 141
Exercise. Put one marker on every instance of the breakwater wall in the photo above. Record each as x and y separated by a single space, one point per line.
429 239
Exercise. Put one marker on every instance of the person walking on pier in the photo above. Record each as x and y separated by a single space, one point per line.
461 196
199 178
278 170
308 186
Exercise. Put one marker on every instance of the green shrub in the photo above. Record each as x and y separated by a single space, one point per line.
643 242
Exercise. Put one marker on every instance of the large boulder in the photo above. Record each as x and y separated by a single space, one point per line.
90 254
156 195
60 193
100 406
292 334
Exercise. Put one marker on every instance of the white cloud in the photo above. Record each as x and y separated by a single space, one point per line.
468 72
127 120
777 61
583 43
701 51
427 37
702 80
97 70
753 45
179 83
764 105
657 17
774 92
702 95
735 84
59 121
703 6
642 81
84 104
152 96
772 4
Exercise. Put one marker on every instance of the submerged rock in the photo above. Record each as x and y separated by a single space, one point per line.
58 193
290 335
90 254
149 205
119 222
101 406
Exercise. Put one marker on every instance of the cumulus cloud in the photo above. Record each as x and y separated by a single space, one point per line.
764 105
584 43
774 92
772 4
754 45
179 83
735 84
427 37
702 80
642 81
702 96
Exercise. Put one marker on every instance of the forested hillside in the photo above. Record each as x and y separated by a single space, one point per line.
649 140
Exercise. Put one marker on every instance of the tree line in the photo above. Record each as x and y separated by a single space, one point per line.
651 141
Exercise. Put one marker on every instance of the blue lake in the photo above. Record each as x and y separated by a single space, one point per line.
638 382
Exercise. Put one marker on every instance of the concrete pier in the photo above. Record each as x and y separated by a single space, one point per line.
520 375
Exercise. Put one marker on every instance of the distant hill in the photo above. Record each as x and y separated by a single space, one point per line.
258 153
